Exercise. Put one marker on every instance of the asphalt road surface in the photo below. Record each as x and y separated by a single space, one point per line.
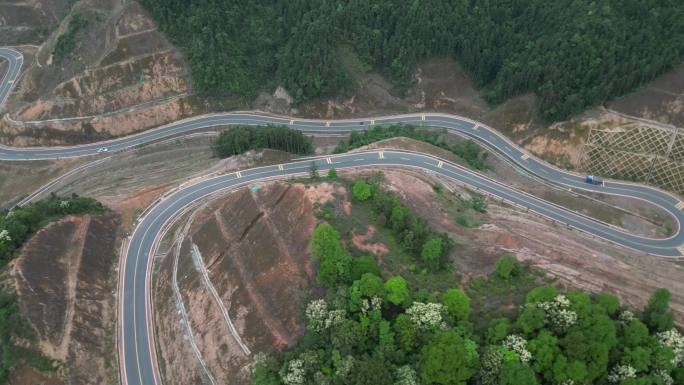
136 344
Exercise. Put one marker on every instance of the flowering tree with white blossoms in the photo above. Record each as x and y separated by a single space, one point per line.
664 376
621 373
320 318
558 314
316 313
626 317
5 237
518 344
406 376
375 303
295 373
675 341
426 316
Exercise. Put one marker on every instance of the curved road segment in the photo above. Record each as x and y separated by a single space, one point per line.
137 352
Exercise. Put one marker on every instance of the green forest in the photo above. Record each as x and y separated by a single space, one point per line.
375 330
240 139
572 54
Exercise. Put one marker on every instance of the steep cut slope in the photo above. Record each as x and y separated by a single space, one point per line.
65 279
243 272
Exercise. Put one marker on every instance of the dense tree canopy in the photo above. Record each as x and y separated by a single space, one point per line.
571 54
358 334
240 139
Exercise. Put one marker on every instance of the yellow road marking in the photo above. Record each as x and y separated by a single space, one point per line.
327 124
381 155
280 167
238 174
440 164
525 157
422 117
681 250
328 160
475 127
372 122
291 122
680 205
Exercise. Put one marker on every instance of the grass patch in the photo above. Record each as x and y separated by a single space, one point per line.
466 210
66 42
494 297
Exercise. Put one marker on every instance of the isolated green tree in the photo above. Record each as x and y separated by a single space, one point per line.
406 332
507 267
371 286
497 330
457 303
432 253
313 171
361 190
515 373
325 241
372 370
334 269
364 264
448 359
657 314
396 290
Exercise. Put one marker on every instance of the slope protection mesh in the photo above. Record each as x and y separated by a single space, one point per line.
637 152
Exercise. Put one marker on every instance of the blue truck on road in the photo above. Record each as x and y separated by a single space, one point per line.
594 180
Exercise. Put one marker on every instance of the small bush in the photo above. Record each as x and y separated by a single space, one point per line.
361 191
507 267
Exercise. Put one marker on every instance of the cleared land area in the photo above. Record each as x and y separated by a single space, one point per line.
65 280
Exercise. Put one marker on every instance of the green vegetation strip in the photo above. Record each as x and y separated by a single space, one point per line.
240 139
468 150
571 54
17 226
511 328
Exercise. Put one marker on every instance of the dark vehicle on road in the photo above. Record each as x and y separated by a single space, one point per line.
594 180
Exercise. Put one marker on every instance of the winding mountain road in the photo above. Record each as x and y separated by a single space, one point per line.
136 339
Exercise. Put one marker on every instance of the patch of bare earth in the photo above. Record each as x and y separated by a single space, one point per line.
123 77
661 100
65 278
254 246
360 241
577 260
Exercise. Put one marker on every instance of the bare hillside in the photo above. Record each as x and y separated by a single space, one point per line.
120 76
